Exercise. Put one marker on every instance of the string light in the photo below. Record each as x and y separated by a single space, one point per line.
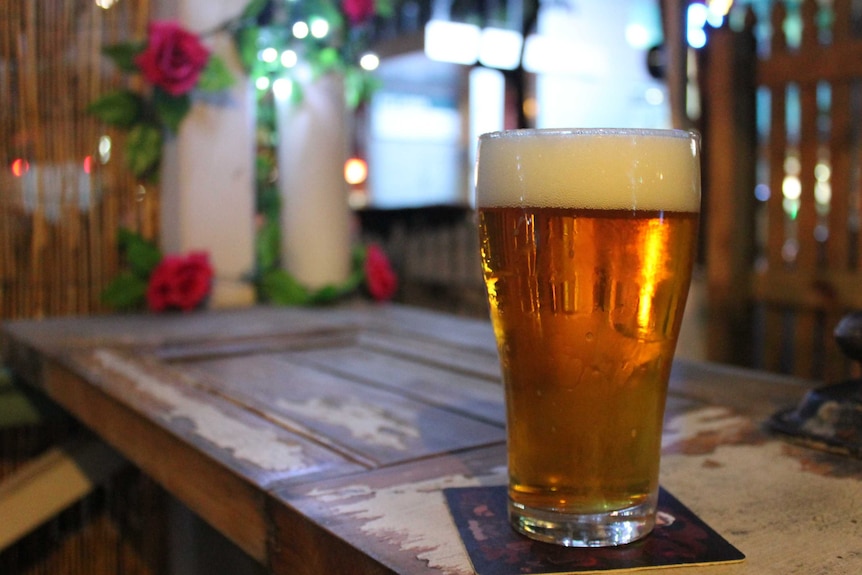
20 167
319 28
369 61
355 171
104 149
282 88
289 58
300 30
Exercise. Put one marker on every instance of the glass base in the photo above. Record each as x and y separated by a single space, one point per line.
589 530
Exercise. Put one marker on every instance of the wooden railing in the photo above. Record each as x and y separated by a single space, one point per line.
782 129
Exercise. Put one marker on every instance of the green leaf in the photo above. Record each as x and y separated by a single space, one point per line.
254 8
279 287
215 76
246 40
144 150
331 12
326 294
141 254
384 8
171 110
332 292
122 109
297 94
123 55
268 244
328 58
127 291
358 87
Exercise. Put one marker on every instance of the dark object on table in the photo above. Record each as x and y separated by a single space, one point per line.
830 417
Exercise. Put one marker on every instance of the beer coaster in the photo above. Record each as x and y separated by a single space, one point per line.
679 538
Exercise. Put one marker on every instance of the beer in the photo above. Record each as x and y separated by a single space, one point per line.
588 242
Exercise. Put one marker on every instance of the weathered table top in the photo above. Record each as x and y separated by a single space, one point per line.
319 440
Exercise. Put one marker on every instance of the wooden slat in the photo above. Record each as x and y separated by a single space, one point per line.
415 377
841 145
844 138
776 218
728 194
50 483
806 324
838 62
367 424
824 290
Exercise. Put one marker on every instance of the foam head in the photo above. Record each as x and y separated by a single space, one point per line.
627 169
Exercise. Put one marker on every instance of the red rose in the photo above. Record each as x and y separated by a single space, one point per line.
173 59
379 276
358 11
180 282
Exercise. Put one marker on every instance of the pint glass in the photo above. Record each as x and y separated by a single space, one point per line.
587 243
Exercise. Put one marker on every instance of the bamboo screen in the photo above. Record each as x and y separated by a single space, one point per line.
63 189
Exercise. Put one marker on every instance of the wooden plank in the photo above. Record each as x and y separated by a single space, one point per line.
777 155
810 29
776 236
729 136
718 384
173 432
218 425
302 546
50 483
397 516
367 424
480 361
841 144
807 257
838 62
385 365
820 290
856 177
456 331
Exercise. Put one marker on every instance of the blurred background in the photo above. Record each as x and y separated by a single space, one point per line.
773 86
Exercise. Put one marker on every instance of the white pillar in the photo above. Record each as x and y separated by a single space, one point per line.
208 169
315 216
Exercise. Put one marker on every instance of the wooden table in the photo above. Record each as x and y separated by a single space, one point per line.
319 440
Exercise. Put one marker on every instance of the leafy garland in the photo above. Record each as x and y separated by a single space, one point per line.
279 287
351 27
159 109
182 282
161 283
176 68
149 114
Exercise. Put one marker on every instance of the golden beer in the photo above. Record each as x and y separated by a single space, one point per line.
588 241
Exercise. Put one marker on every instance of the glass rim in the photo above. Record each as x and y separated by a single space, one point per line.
560 132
